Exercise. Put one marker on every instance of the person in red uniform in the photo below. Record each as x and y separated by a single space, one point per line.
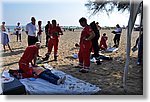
103 43
29 56
85 45
54 32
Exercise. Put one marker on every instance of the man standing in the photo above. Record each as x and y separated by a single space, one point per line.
54 32
18 31
117 33
85 45
31 30
39 33
46 32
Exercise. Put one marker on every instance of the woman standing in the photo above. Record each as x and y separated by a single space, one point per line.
4 37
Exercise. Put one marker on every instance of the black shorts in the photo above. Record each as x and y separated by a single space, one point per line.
32 40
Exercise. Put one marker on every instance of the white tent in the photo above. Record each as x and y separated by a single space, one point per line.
134 9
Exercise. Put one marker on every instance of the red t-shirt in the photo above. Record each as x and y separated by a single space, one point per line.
104 39
85 33
29 54
54 31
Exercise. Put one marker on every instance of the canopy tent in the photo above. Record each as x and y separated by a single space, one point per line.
134 10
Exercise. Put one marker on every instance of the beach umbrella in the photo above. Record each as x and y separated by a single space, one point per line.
134 10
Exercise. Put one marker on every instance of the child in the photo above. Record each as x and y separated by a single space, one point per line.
103 44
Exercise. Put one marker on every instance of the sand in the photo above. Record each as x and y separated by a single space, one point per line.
108 76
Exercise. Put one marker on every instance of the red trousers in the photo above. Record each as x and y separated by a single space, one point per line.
103 45
27 71
53 42
84 53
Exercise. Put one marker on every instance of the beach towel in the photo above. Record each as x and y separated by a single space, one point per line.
72 86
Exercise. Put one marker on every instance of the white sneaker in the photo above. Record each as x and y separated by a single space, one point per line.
138 63
63 79
59 81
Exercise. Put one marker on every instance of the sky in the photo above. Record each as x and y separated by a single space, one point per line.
66 12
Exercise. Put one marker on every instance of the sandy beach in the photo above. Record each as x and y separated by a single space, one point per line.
108 76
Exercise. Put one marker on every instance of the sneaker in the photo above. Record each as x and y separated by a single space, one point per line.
98 62
59 81
46 57
114 46
138 63
77 45
63 80
134 48
79 66
55 57
84 70
39 56
110 58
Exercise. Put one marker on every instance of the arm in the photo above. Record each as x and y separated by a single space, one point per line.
118 30
27 29
60 31
3 28
49 31
18 28
106 38
92 35
34 61
45 30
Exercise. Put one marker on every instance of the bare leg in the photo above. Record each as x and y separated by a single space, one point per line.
4 48
9 48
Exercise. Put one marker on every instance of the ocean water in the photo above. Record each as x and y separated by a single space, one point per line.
12 28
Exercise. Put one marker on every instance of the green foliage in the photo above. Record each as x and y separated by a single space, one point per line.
107 6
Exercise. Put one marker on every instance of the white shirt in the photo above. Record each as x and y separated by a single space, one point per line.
31 29
18 27
118 30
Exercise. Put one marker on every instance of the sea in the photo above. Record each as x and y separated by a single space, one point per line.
12 28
